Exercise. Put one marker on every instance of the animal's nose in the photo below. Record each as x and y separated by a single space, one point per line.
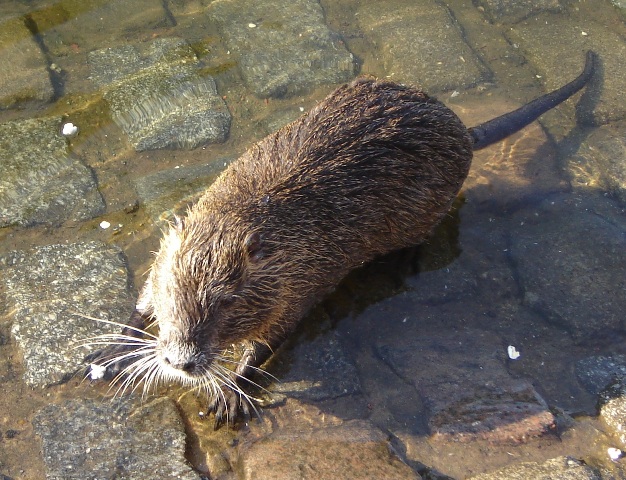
185 364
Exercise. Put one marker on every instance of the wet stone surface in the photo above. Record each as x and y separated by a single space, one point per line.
565 268
557 66
562 468
167 192
427 34
23 68
512 11
518 169
40 181
613 409
82 278
466 389
157 96
347 450
599 162
283 47
90 25
320 370
90 439
596 373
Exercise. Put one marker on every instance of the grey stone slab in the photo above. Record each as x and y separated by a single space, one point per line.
157 96
92 24
24 74
40 181
168 192
512 11
420 43
569 253
605 101
284 47
48 289
596 373
466 389
93 440
561 468
320 370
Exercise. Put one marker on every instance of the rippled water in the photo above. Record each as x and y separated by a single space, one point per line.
166 94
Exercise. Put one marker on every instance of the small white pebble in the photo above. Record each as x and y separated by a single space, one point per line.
96 372
252 25
302 109
584 34
513 353
104 224
456 93
614 453
69 129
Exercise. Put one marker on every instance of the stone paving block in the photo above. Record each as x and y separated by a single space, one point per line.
421 44
40 181
284 47
80 279
157 97
24 74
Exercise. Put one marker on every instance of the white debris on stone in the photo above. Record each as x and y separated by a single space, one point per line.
69 129
615 453
513 353
96 372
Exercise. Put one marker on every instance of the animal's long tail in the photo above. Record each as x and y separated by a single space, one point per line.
501 127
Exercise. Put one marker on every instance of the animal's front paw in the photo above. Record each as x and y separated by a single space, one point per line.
108 362
230 404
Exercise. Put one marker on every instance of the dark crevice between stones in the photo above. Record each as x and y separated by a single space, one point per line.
168 13
57 78
486 74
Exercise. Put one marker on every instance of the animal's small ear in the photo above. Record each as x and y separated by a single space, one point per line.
254 244
179 223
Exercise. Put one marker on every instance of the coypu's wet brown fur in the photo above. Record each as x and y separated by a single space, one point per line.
372 168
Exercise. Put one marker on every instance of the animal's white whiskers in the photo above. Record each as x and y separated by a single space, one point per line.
225 375
117 324
265 373
108 337
139 352
145 369
132 373
150 378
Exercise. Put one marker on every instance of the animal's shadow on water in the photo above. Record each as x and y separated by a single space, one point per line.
351 356
315 363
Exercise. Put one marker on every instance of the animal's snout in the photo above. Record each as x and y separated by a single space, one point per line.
182 357
185 364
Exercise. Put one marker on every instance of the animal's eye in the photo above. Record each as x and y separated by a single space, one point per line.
228 300
254 244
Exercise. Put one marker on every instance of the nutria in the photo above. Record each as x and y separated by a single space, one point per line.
372 168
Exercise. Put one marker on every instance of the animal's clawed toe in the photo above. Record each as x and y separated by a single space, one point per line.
229 406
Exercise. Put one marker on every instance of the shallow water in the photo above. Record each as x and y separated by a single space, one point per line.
531 256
